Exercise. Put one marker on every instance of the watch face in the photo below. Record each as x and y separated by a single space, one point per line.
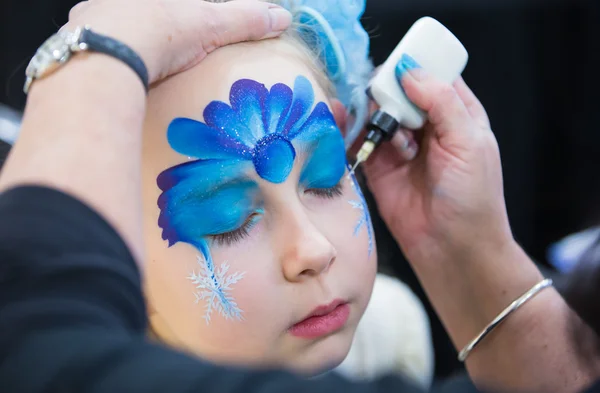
52 53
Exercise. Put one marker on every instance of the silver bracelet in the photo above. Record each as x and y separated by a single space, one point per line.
502 316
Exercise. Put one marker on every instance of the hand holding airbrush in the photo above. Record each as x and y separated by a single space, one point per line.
427 44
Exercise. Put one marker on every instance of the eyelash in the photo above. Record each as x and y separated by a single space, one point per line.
229 238
329 193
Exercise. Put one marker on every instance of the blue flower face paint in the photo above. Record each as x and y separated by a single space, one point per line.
261 126
260 130
365 217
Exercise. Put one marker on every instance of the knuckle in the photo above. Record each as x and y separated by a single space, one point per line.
76 9
487 140
260 24
212 33
443 103
446 93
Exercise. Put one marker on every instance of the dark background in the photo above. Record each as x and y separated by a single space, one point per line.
535 65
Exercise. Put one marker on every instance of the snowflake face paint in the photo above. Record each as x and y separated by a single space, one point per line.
214 287
364 218
260 132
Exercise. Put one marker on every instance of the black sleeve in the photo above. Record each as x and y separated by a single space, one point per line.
72 315
594 388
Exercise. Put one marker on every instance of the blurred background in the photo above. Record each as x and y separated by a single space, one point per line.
535 65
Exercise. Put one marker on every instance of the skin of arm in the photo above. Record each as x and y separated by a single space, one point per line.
84 138
532 350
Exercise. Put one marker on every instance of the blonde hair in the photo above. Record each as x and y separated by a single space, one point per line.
312 59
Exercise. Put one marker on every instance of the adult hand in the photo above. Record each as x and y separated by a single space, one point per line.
174 35
450 196
446 209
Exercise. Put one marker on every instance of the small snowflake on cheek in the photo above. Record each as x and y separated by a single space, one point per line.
364 218
214 287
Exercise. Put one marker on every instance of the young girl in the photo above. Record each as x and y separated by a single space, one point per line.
260 245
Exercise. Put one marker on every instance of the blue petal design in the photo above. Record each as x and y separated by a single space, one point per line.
303 100
320 122
207 174
247 99
274 158
326 162
322 141
191 207
220 116
193 215
193 138
277 107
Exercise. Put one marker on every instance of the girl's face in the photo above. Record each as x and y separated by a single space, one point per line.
260 247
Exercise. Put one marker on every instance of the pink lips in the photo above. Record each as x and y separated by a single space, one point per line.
323 320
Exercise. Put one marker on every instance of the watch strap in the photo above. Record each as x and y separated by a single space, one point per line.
112 47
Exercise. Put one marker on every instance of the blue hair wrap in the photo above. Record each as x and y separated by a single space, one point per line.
332 29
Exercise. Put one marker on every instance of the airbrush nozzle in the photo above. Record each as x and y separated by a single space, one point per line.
356 164
363 155
381 127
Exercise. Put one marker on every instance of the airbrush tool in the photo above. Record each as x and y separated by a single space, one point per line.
435 49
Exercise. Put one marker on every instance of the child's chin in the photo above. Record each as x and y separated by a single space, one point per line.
324 356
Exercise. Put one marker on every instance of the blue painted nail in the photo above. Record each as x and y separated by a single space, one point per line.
409 63
406 64
400 70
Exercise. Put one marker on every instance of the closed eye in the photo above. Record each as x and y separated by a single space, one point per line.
229 238
329 193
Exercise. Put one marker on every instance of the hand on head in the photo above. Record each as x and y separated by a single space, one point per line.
172 36
450 196
169 36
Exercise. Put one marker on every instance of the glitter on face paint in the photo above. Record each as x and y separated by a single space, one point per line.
262 126
365 217
259 130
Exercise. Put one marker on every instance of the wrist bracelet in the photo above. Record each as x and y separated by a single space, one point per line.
60 47
502 316
109 46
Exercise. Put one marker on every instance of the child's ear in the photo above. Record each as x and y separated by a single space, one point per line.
339 114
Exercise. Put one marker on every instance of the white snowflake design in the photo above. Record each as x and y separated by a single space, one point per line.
365 217
214 288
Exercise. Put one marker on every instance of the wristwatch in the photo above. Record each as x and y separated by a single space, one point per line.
60 47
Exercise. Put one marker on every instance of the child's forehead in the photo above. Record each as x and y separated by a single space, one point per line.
191 94
270 62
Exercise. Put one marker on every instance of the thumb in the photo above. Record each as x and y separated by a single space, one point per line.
445 109
404 142
237 21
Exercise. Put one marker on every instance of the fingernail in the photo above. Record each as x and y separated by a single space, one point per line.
409 63
400 70
280 19
406 64
400 141
406 146
411 151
